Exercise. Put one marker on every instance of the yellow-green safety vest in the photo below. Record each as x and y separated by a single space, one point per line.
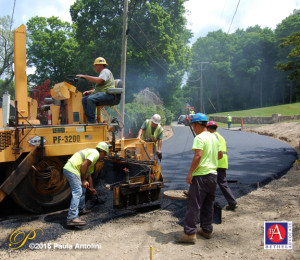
74 163
108 84
148 132
222 163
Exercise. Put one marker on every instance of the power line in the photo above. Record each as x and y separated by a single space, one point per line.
233 16
147 52
12 16
153 46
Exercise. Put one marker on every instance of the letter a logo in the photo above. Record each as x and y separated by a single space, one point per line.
276 231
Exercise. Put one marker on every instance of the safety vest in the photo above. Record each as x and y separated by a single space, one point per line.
107 84
148 132
229 119
74 163
222 163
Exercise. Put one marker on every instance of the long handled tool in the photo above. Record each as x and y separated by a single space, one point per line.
190 126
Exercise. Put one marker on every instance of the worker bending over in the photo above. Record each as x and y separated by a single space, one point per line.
78 171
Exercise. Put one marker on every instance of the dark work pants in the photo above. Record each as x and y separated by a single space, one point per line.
223 184
201 202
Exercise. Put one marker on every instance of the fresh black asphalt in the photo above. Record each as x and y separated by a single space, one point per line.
254 160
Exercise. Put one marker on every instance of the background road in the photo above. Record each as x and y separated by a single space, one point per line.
253 159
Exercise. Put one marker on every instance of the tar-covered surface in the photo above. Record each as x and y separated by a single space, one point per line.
252 159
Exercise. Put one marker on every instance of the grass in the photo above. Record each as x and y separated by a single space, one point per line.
284 110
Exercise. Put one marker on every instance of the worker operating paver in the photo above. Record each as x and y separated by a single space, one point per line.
202 178
104 81
222 167
78 171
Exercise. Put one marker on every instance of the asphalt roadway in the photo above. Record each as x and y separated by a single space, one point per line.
254 160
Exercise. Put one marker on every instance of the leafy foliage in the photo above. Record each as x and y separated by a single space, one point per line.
6 54
288 33
7 87
52 49
40 92
240 73
136 114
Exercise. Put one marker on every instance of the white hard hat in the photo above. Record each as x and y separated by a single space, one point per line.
156 119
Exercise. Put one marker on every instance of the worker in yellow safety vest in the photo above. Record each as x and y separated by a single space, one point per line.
229 119
104 81
222 167
78 171
152 131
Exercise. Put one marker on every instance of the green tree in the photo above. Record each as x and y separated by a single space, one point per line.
6 55
212 57
293 64
52 49
253 66
286 34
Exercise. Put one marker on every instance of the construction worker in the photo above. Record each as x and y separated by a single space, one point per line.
202 178
222 167
104 81
78 172
229 119
151 130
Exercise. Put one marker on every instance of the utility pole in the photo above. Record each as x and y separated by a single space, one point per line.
202 67
123 61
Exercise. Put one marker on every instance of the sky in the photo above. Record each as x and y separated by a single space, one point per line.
203 16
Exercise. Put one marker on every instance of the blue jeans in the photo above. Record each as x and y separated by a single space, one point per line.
78 195
89 104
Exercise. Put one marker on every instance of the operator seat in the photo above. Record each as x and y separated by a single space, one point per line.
117 91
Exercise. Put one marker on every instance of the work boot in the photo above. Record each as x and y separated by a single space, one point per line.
185 238
76 222
231 206
83 212
186 193
202 233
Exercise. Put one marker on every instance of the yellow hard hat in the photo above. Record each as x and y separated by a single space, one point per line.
103 146
100 60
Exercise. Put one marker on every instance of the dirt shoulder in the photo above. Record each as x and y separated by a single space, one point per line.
240 236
